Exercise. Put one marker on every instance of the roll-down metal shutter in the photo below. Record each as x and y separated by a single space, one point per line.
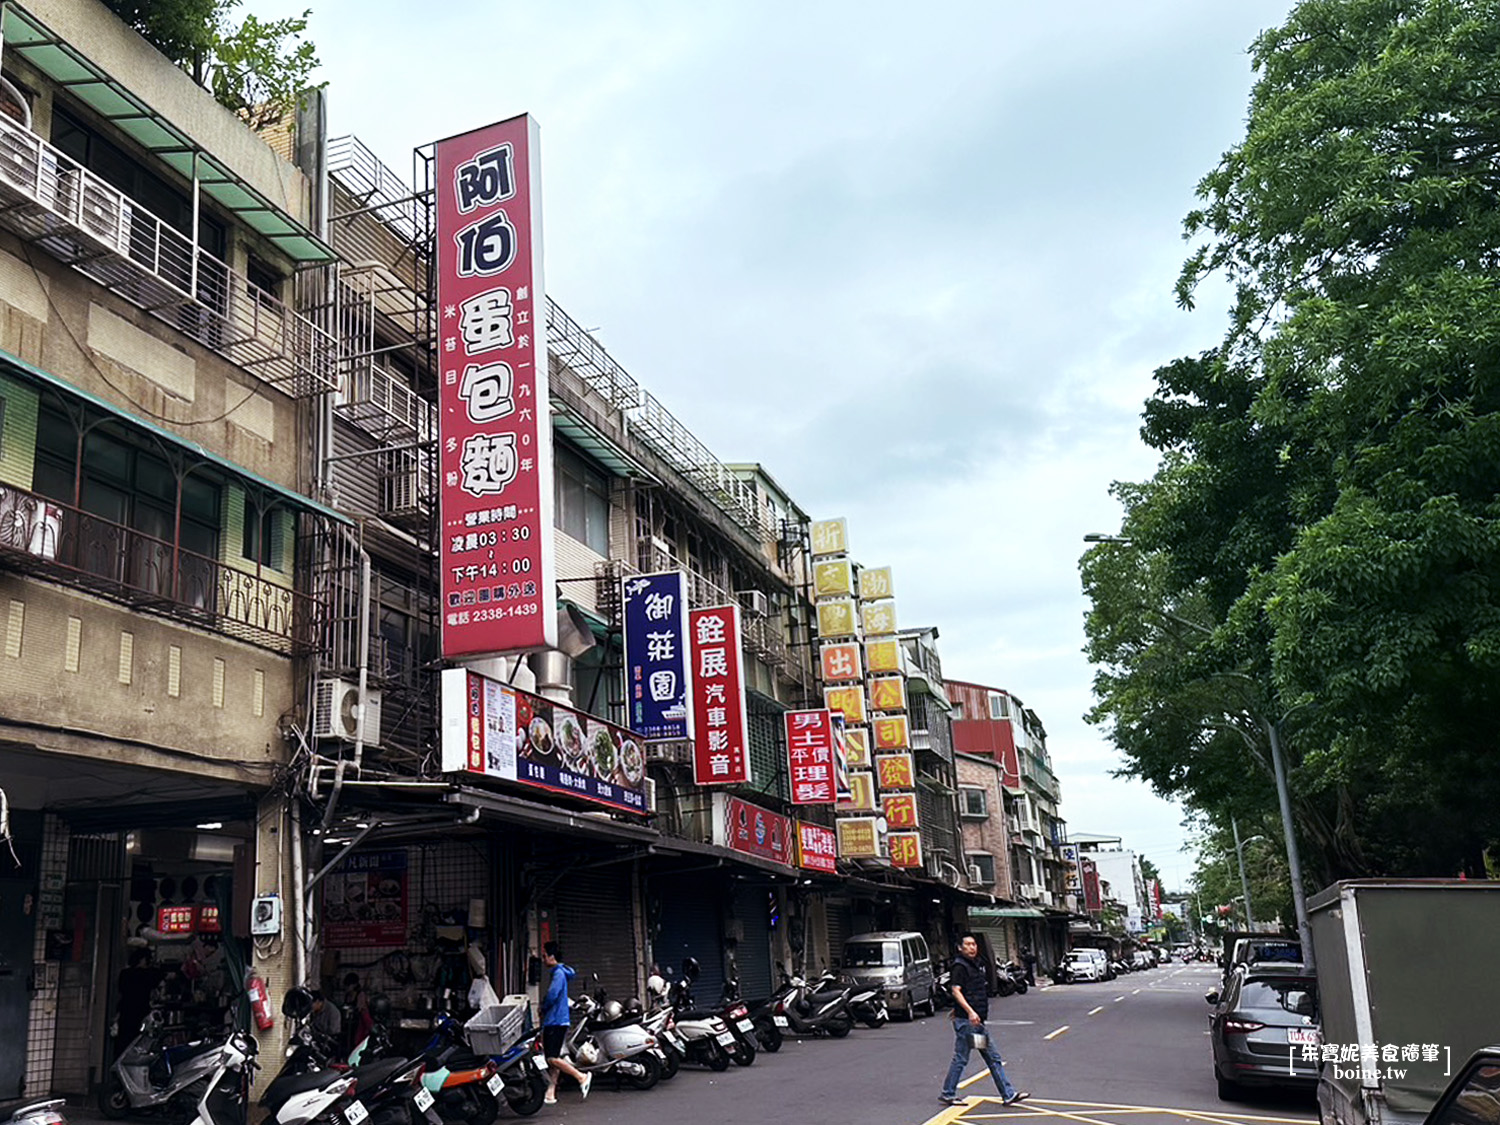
753 909
691 926
840 926
596 927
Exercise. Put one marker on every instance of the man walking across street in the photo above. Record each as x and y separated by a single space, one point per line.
971 1004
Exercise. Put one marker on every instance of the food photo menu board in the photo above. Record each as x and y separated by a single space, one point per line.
493 729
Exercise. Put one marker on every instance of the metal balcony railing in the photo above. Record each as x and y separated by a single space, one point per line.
57 541
51 200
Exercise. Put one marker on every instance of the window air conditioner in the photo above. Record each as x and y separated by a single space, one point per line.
336 712
754 602
975 874
401 488
102 214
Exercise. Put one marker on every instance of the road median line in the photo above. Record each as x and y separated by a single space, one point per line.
1058 1032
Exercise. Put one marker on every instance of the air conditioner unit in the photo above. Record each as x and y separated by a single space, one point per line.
401 486
335 712
754 602
975 874
102 213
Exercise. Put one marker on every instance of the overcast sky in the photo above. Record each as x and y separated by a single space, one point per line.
918 261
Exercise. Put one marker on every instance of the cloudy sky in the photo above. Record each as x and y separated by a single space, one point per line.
917 262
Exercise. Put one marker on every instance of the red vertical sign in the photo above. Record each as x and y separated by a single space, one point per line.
720 751
809 748
494 424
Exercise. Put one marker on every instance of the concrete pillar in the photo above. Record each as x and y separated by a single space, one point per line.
273 958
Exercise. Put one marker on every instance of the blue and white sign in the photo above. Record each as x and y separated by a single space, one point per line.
656 655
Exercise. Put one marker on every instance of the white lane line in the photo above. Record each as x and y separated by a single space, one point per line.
1056 1033
1133 991
1097 1010
1118 999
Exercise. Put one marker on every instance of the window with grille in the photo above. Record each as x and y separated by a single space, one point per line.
973 803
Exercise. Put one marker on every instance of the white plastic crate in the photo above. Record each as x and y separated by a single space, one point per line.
496 1027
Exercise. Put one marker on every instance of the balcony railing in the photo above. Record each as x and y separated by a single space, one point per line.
57 541
50 199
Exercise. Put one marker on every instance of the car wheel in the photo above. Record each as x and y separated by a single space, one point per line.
906 1012
1228 1091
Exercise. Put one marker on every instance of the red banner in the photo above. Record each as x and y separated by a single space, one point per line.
720 747
817 847
809 748
494 422
756 831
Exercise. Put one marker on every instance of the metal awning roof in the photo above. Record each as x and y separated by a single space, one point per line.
982 912
19 367
30 39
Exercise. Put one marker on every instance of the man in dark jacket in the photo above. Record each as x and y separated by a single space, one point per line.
971 1004
555 1023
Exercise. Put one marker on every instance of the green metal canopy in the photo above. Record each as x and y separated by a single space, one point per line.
980 913
29 38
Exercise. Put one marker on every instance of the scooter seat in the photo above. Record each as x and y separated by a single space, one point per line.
287 1086
370 1075
698 1014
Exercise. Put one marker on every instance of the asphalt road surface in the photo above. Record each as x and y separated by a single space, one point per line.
1131 1051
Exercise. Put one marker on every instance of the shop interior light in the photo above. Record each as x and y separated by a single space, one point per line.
210 825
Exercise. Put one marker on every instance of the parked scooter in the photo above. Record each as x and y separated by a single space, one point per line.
706 1038
1010 979
724 1024
517 1073
658 1021
763 1023
226 1091
866 1004
808 1012
599 1044
49 1112
149 1075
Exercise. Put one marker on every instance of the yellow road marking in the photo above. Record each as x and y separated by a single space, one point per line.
947 1115
1217 1115
1058 1032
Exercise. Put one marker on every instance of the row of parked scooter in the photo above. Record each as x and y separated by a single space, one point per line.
467 1069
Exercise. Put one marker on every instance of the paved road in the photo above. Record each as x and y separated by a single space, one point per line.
1125 1052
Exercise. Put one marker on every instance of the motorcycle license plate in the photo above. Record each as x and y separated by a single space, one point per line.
423 1100
725 1037
355 1112
781 1021
494 1085
541 1062
745 1026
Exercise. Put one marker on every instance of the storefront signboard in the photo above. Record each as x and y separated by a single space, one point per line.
861 792
858 836
837 618
894 771
720 752
900 810
833 578
809 748
817 848
905 849
891 733
875 583
499 589
494 730
883 655
888 693
841 663
850 700
878 618
365 901
657 656
830 537
753 830
857 747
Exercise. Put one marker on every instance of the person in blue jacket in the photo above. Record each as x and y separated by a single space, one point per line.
555 1024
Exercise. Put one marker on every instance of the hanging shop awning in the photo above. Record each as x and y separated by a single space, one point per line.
978 913
30 39
14 365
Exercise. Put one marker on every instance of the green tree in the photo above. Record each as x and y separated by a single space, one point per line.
1327 513
258 68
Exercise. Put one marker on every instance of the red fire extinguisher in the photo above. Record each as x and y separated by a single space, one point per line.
260 1002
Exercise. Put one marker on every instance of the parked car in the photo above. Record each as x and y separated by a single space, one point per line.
899 964
1081 966
1259 1025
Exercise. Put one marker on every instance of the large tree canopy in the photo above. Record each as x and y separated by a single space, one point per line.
1329 497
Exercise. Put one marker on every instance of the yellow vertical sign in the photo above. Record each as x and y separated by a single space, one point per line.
888 693
883 655
879 618
833 578
837 619
875 583
830 537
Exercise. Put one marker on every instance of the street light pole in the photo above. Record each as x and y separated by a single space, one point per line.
1239 858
